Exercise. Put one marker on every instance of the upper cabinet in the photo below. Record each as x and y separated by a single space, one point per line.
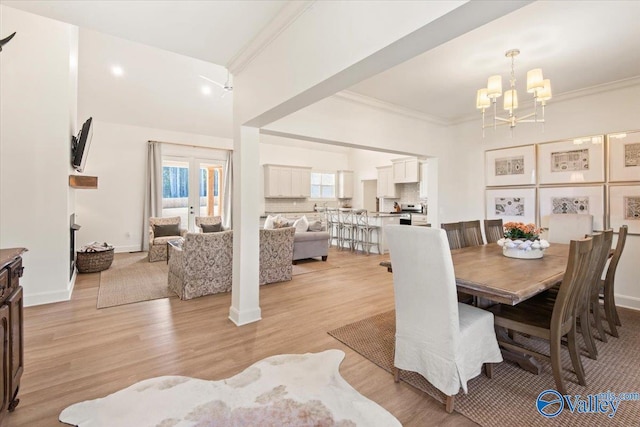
386 184
291 182
344 184
424 174
406 170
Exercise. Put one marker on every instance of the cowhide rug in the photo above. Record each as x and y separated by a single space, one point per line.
283 390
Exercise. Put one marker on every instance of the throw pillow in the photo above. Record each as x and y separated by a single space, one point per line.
268 223
211 228
301 224
166 230
315 226
280 222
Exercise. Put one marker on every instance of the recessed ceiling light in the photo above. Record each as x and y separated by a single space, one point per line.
206 90
117 70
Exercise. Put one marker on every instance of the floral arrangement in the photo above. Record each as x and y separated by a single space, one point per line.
522 236
522 231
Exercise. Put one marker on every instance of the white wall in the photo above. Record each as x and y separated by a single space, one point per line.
37 101
117 156
615 110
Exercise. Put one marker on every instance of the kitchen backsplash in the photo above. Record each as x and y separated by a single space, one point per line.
407 193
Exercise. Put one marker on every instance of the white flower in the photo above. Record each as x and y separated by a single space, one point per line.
501 242
544 244
535 245
510 244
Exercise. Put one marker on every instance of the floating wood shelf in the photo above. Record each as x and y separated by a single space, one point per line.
83 181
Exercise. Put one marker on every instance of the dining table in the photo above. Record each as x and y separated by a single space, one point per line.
484 272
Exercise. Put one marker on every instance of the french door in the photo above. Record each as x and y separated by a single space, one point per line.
191 187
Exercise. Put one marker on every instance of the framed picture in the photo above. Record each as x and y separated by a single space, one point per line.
573 161
572 200
624 207
511 204
624 156
510 166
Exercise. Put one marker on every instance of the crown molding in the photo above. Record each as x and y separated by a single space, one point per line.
268 34
566 96
389 107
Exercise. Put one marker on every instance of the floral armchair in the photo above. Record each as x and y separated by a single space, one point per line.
202 265
208 220
158 249
276 255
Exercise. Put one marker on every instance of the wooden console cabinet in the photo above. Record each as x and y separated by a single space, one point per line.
11 328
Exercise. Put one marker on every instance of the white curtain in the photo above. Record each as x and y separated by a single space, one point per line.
153 189
226 193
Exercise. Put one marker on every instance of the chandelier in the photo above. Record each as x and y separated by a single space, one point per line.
536 85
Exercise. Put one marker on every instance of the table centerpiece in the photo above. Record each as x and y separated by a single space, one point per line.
522 241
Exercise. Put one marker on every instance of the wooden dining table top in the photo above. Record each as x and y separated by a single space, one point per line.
484 272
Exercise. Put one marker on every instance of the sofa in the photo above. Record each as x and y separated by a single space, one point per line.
311 240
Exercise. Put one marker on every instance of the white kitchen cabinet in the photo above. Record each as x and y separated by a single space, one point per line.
406 170
386 185
344 184
287 182
424 180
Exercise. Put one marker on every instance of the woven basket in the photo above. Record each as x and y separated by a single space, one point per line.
92 262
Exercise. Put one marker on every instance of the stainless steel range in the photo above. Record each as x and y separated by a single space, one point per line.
411 209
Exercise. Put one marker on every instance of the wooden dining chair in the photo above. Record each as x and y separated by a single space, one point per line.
606 285
454 234
444 341
493 230
472 233
551 325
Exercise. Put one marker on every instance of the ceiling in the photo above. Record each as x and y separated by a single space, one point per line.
578 45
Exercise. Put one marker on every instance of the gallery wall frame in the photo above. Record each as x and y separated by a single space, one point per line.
572 161
624 156
511 204
514 166
575 199
624 207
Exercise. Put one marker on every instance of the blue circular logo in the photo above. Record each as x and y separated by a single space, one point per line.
549 403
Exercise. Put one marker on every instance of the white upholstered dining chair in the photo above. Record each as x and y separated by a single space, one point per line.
444 341
566 227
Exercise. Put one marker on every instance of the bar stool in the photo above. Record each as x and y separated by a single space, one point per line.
333 225
347 227
365 231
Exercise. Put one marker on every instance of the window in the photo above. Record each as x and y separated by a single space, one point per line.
323 185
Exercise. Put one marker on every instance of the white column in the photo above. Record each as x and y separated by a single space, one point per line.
245 297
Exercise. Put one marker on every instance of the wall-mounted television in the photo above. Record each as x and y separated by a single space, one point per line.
80 145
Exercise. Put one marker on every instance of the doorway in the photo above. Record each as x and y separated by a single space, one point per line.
191 187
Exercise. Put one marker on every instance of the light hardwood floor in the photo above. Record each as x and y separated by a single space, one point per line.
75 352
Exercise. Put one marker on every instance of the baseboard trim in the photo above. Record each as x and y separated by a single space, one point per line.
241 318
628 302
132 248
49 297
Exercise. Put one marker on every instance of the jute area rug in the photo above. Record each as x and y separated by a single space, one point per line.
283 390
305 266
509 399
132 278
